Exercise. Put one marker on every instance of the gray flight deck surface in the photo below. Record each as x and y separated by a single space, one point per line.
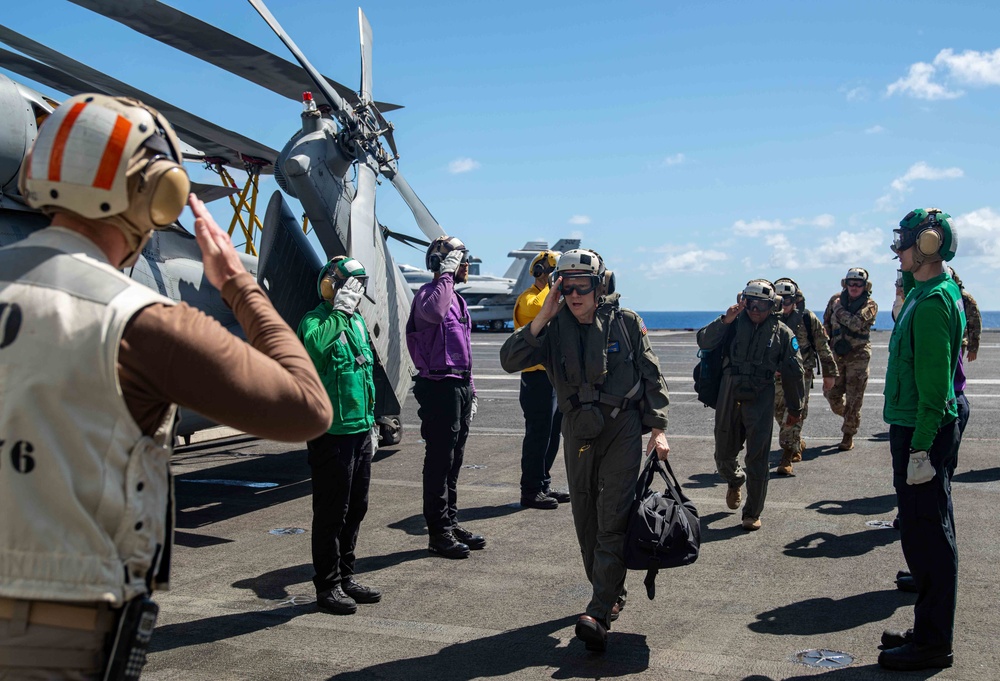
815 577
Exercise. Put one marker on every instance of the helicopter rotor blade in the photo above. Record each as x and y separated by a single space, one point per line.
213 45
72 77
340 107
363 230
428 225
366 58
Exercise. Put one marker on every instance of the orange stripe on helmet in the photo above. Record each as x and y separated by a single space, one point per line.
106 171
59 145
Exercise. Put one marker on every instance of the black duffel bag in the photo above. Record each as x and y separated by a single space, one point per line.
664 530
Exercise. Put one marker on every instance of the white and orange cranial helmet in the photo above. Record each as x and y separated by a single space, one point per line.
107 158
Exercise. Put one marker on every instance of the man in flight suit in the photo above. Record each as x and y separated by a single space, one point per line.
91 375
760 345
848 320
610 390
813 347
542 418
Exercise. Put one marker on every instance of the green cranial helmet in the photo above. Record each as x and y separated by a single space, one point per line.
927 228
339 269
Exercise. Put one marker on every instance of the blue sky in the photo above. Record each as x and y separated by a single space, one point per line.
694 145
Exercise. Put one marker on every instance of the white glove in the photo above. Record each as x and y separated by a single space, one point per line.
452 261
348 296
475 408
920 469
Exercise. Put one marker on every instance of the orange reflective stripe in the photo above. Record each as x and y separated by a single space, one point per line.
59 145
112 154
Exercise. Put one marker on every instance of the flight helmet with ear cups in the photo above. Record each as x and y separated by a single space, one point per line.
544 263
762 289
335 273
931 231
786 286
109 160
857 274
583 262
439 250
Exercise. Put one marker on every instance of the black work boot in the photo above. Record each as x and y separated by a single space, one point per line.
473 541
557 494
912 657
539 500
336 601
361 594
446 545
893 638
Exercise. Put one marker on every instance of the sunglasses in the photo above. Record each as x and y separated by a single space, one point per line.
759 305
581 289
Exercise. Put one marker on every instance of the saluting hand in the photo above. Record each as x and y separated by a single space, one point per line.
734 311
550 308
220 259
658 441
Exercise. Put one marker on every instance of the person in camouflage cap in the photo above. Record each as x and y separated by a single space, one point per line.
848 320
814 346
973 320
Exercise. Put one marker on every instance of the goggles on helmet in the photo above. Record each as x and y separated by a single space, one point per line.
758 305
855 283
903 239
787 300
581 289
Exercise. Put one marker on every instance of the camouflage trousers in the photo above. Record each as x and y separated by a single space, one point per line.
848 392
789 437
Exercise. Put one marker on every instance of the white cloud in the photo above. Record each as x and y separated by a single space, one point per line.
462 165
856 94
874 130
580 220
850 248
823 221
974 68
693 260
902 185
782 252
757 227
978 235
674 160
971 67
918 83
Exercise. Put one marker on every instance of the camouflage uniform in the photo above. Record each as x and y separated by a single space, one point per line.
973 324
854 328
790 437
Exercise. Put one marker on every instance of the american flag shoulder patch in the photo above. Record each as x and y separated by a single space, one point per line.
642 326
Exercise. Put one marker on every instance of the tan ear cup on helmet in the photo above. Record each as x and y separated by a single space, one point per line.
327 288
162 192
608 283
169 196
929 242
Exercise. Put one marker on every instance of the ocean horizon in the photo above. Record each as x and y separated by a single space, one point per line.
694 320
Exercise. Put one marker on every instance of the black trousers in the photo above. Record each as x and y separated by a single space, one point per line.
445 411
962 402
927 533
542 422
341 474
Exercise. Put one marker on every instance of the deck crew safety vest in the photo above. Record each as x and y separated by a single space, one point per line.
83 494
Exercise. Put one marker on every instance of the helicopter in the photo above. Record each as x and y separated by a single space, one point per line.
331 165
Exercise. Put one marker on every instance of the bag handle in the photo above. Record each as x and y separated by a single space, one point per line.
654 465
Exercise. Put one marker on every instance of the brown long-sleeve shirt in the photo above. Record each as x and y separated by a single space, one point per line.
267 386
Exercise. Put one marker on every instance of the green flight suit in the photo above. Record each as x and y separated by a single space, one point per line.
609 388
745 411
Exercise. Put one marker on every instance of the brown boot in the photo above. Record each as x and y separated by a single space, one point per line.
847 443
785 467
797 456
